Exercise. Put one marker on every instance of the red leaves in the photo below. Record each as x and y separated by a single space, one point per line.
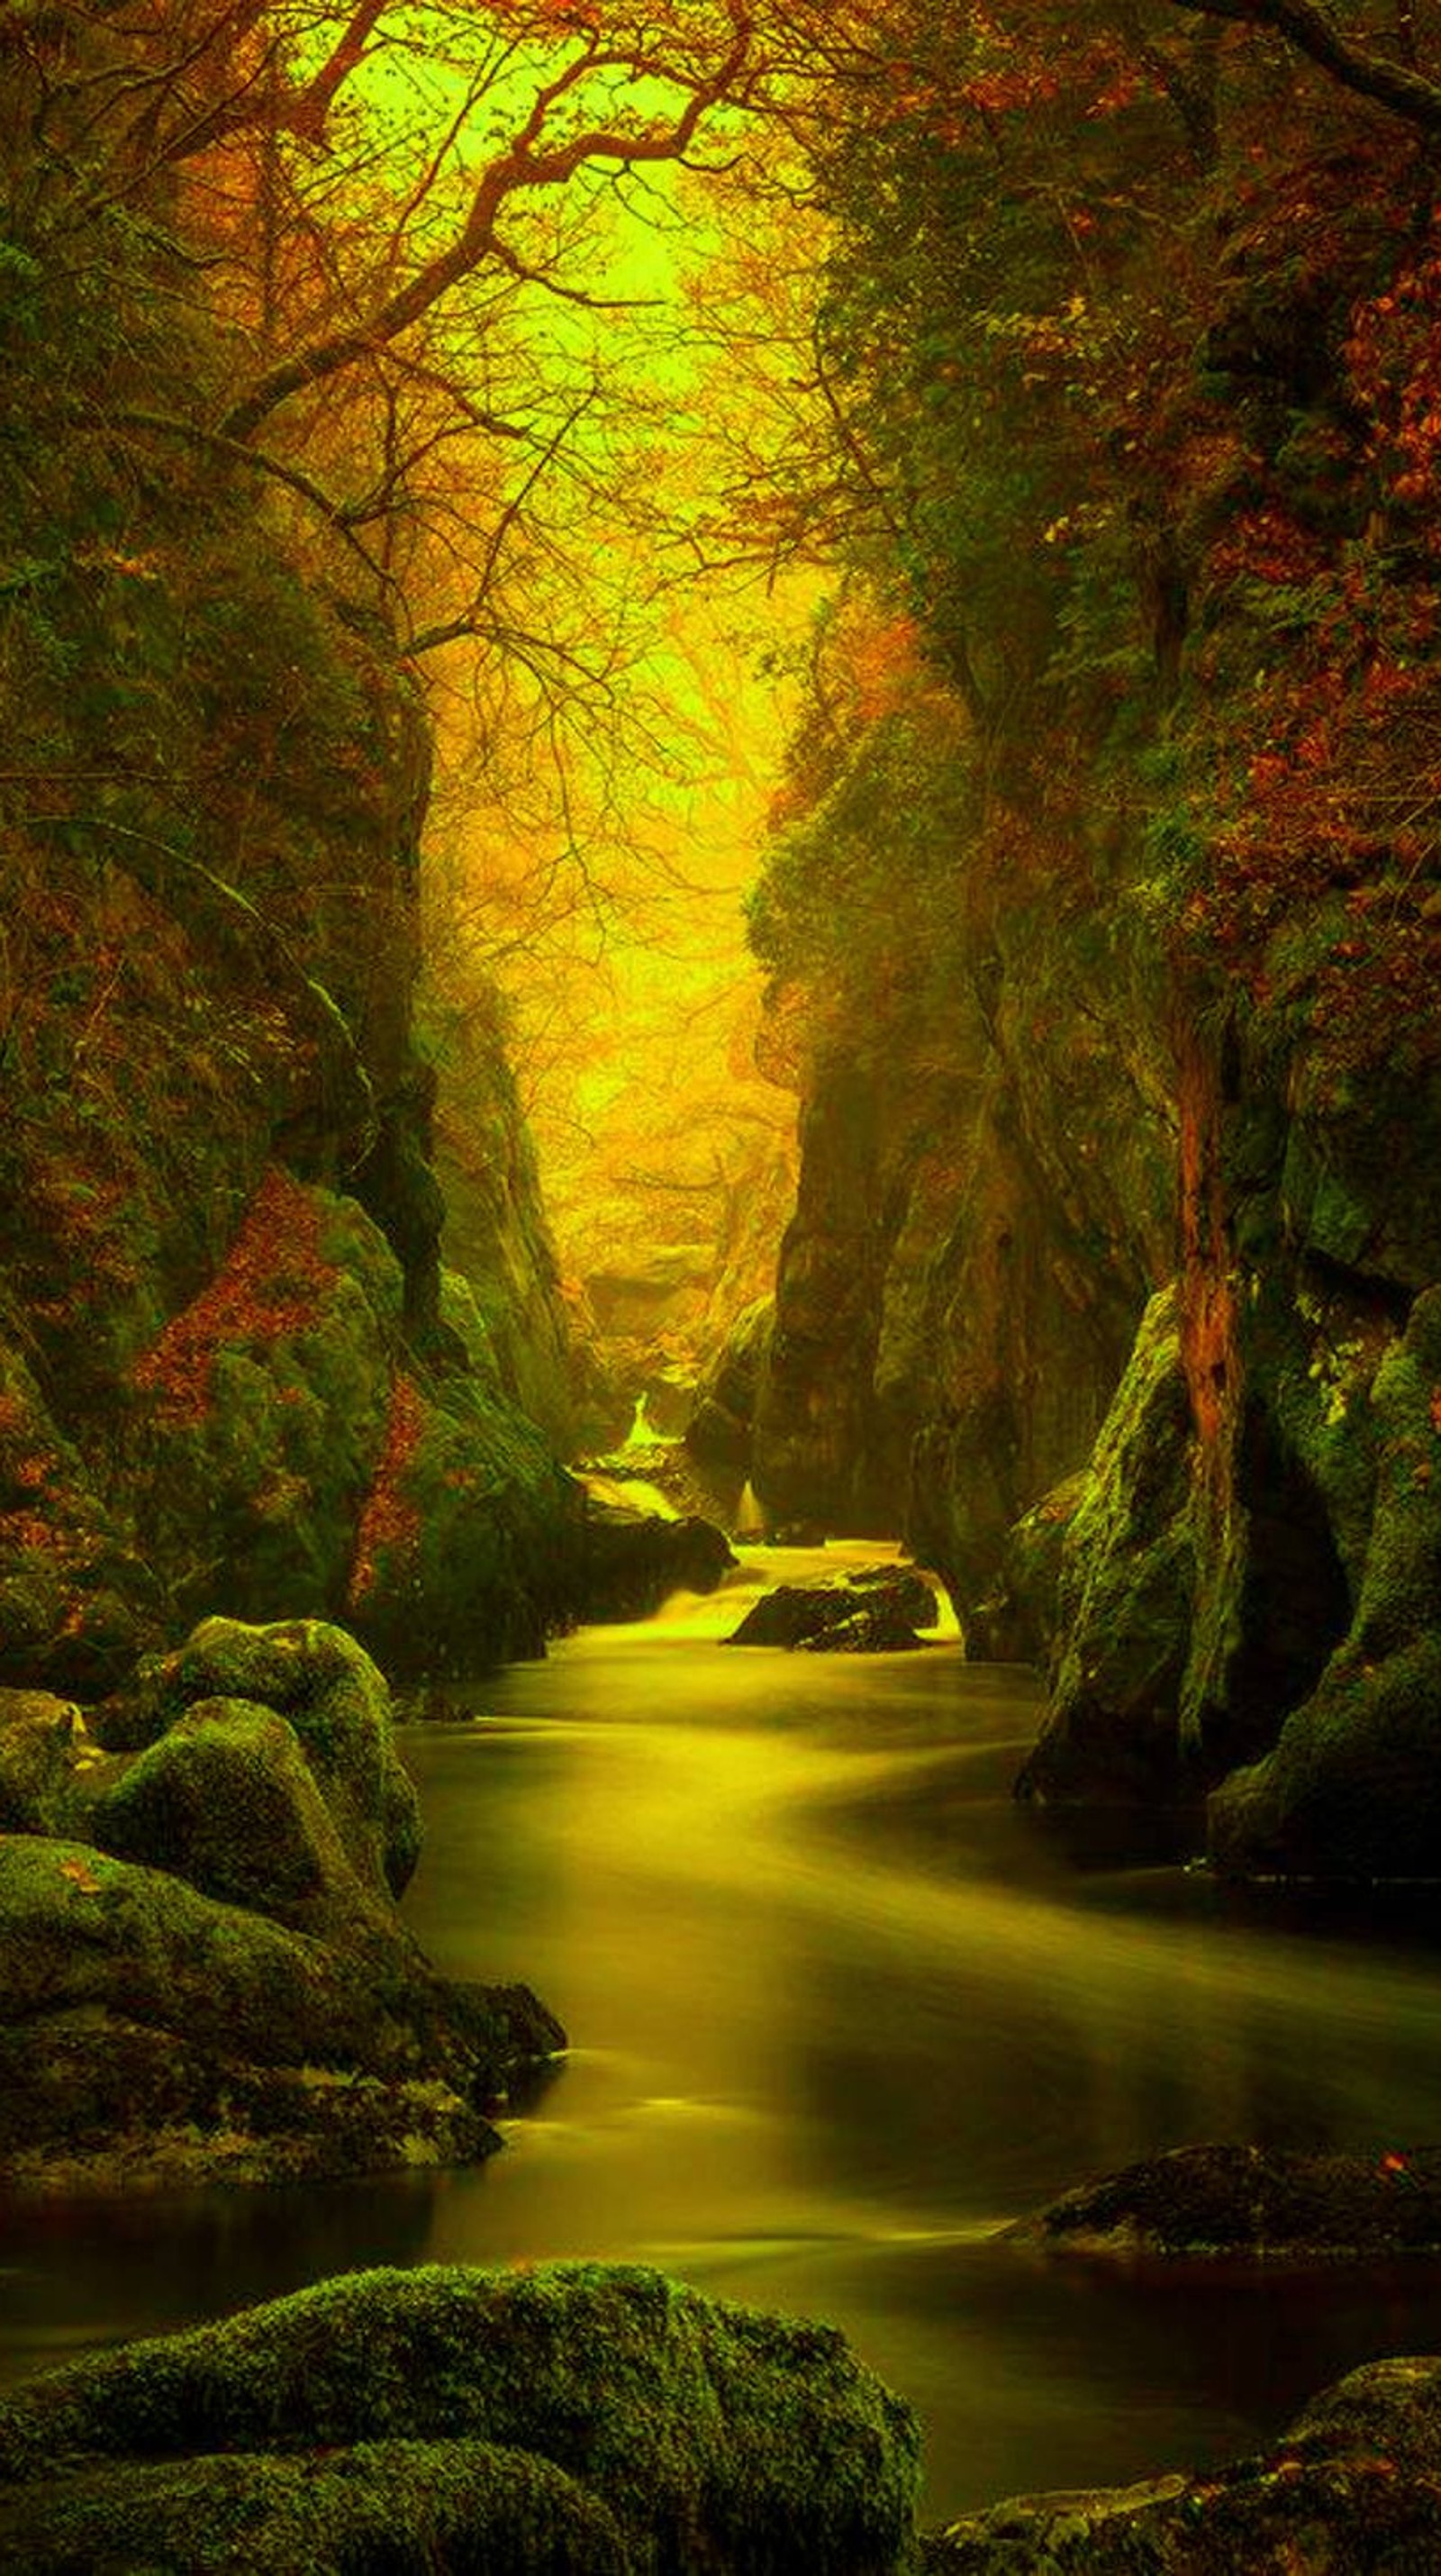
389 1521
270 1284
1393 358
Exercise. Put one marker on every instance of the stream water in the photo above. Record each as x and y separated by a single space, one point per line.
840 2009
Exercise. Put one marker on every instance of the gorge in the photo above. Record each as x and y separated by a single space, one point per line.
483 487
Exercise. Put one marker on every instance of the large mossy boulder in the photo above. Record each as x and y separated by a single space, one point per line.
573 2417
205 1976
336 1705
1350 2489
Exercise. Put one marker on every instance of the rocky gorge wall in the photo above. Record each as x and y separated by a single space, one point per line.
225 1377
1114 1276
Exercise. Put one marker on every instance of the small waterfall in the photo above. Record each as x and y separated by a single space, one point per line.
750 1520
642 1433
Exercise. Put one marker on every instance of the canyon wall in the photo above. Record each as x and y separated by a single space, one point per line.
226 1379
1113 1280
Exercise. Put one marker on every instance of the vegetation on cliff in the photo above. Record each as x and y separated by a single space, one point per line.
1101 901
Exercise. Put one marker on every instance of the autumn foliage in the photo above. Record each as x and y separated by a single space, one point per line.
269 1287
390 1521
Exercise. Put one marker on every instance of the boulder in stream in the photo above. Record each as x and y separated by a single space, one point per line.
1351 2488
874 1611
1269 2203
601 2421
632 1560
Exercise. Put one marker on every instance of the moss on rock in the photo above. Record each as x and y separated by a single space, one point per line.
227 1801
335 1699
575 2416
1349 2489
1352 1788
1125 1590
1266 2203
205 1974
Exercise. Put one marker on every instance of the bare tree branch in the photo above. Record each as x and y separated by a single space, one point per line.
522 166
1312 28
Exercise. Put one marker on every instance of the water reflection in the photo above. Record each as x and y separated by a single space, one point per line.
839 2008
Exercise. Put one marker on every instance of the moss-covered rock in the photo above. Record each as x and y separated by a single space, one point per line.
1350 2489
150 2033
205 1977
337 1704
1018 1619
42 1740
1267 2203
571 2417
407 2508
1351 1787
227 1801
1125 1590
466 1551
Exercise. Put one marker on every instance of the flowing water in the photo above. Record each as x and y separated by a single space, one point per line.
839 2010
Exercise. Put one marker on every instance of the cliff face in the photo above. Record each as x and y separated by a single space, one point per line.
224 1380
1155 1169
983 1209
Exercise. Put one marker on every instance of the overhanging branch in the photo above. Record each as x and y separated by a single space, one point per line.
1313 30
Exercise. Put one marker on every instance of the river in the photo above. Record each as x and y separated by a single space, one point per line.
839 2009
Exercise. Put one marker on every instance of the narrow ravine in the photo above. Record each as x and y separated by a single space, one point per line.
839 2010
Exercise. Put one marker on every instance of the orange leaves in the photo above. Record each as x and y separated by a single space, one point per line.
80 1875
1393 359
269 1284
390 1521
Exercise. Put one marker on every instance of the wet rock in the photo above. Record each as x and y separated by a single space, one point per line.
879 1631
632 1560
880 1607
574 2417
1226 2199
1350 2489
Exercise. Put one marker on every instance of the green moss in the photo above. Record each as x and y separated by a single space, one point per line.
630 2416
394 2508
484 1556
227 1801
336 1700
1126 1589
1351 1787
